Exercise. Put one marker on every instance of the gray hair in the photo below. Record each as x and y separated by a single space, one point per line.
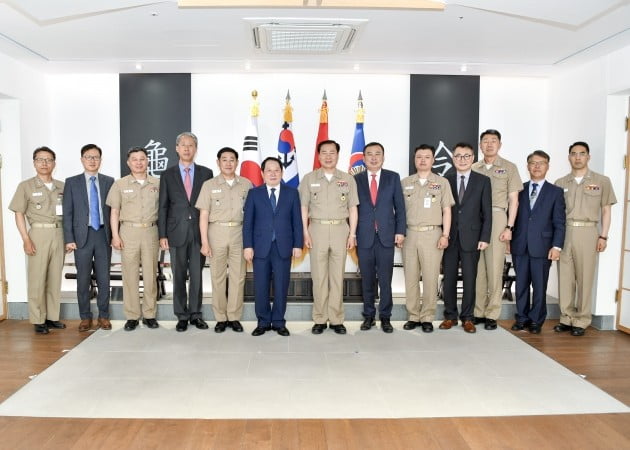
189 134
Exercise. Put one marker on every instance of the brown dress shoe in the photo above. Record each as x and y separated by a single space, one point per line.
85 325
448 324
469 326
105 324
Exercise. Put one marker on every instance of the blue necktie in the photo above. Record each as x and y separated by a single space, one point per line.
272 197
533 195
95 215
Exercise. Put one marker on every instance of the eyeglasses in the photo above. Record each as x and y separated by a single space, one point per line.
44 160
92 158
465 157
537 163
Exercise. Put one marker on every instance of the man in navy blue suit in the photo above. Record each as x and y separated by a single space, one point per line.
272 234
381 225
86 231
537 241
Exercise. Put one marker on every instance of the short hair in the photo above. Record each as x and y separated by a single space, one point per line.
271 158
137 149
424 147
328 141
490 132
227 150
464 145
184 134
44 149
583 144
87 147
540 153
372 144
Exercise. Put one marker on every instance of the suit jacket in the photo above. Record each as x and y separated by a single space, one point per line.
471 220
389 211
76 208
260 221
537 230
176 212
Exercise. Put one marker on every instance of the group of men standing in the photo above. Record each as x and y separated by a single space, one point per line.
459 225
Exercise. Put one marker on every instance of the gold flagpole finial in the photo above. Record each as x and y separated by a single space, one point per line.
255 108
360 110
288 116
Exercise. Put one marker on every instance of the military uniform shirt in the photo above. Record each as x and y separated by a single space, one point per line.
137 202
585 200
224 202
38 203
424 204
328 200
504 178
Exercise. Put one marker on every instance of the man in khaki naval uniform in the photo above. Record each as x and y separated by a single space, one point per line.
588 196
506 184
134 212
39 201
329 200
220 205
428 201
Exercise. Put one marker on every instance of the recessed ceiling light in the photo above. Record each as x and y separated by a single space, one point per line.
248 65
138 66
463 68
356 67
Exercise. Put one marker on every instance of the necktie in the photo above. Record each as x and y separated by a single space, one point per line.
95 215
272 197
188 183
373 189
533 195
462 188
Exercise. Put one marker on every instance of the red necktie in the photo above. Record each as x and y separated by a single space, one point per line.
188 183
373 189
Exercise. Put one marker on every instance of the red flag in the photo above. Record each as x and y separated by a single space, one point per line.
322 133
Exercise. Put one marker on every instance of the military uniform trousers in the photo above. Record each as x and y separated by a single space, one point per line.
490 271
328 262
227 268
422 258
578 261
140 249
44 274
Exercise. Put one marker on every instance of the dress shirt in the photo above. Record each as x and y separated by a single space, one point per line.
88 183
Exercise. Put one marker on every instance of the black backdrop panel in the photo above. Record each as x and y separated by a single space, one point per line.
154 109
444 110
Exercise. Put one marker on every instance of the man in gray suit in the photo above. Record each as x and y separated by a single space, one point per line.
86 231
178 227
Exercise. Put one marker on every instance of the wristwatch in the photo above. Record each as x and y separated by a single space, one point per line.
507 227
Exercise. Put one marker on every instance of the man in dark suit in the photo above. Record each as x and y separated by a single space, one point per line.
381 225
538 239
470 233
87 232
178 228
272 234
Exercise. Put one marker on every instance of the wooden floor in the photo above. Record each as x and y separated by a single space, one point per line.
602 356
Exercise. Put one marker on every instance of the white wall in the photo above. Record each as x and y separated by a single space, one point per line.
25 125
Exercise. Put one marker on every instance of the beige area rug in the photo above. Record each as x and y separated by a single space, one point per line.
200 374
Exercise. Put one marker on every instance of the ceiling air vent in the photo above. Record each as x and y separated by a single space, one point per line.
285 37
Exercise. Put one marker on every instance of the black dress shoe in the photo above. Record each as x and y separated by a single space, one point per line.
490 324
259 331
518 326
182 325
131 325
368 323
534 328
386 326
151 323
199 323
427 327
55 324
220 327
339 329
41 328
411 325
318 328
282 331
478 320
577 331
560 328
236 326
